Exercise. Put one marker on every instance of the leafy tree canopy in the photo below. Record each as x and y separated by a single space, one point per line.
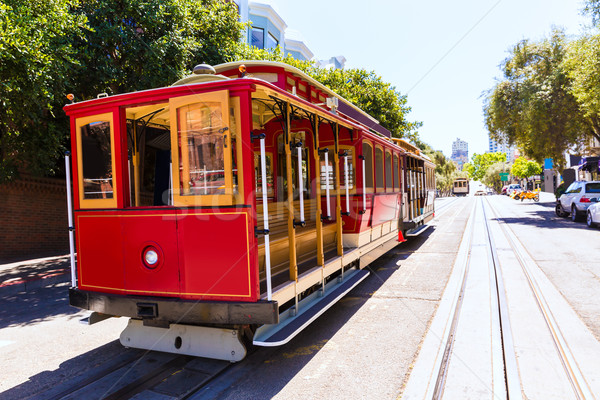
51 48
582 66
141 44
533 106
592 8
479 164
523 168
365 89
36 54
491 178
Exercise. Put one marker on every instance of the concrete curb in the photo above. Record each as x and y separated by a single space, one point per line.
34 274
48 278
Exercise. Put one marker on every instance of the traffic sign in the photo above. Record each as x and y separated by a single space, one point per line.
503 176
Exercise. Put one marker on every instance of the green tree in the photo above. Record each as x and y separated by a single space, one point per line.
365 89
523 168
533 106
445 169
36 54
582 66
592 8
469 169
479 164
48 49
491 178
141 44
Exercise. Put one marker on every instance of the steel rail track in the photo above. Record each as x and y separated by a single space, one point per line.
578 382
445 362
94 378
511 368
150 379
176 378
500 314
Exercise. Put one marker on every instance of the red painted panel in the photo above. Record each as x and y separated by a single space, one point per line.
99 252
385 208
356 222
140 230
215 256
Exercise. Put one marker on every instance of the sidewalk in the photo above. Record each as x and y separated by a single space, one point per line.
547 197
33 274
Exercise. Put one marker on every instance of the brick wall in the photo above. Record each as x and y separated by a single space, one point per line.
33 219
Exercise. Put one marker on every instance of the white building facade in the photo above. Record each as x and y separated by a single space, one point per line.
510 151
460 152
268 30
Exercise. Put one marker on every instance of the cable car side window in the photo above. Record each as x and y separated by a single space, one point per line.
201 149
388 171
368 155
379 168
350 159
96 161
395 168
327 171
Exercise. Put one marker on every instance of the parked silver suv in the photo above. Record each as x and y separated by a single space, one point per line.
577 198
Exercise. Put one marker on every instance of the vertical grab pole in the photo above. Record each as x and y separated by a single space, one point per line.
205 183
171 184
263 166
129 161
70 219
327 183
364 176
300 183
338 193
346 178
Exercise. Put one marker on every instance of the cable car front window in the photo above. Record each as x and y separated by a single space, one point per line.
201 136
96 160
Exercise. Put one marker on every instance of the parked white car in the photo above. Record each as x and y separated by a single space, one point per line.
578 197
512 187
593 215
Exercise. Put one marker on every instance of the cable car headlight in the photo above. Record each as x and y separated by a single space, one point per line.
150 256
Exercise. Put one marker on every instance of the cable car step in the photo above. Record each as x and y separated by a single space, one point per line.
310 309
417 231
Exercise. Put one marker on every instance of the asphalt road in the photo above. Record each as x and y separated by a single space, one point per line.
43 344
566 251
363 347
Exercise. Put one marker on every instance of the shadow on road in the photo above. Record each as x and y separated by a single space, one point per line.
30 308
29 271
247 380
75 372
542 215
242 381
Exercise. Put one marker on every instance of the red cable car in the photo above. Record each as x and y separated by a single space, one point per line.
233 207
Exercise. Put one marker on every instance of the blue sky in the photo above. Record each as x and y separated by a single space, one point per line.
443 54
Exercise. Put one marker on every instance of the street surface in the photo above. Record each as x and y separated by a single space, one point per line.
367 345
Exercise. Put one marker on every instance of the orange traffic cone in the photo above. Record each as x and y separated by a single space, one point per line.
401 237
